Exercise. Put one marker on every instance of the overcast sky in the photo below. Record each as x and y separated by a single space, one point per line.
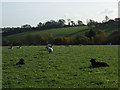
15 14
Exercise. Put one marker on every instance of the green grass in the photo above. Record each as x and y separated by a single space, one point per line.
62 32
66 67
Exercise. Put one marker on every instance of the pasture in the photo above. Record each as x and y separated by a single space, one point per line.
66 67
61 32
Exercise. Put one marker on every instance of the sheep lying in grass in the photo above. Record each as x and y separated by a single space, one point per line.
10 47
98 64
50 50
21 62
80 44
68 45
18 47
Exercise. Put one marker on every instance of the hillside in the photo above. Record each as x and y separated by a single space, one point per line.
64 32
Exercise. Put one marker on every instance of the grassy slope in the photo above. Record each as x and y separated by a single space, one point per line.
67 31
66 67
108 29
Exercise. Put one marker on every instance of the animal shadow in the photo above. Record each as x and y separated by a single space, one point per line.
21 62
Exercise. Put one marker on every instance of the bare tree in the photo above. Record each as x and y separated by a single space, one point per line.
106 18
39 25
80 22
73 23
69 21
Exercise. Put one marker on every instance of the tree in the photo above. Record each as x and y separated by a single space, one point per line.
50 38
5 42
101 32
80 22
28 40
39 25
100 37
69 21
39 39
91 23
106 18
26 26
61 22
62 40
80 40
51 24
17 43
114 38
90 34
73 23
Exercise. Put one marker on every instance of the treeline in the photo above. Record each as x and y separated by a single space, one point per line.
96 35
59 24
90 38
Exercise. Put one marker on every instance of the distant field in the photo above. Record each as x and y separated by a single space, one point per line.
67 32
66 67
62 32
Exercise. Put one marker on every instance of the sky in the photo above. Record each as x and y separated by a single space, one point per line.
17 13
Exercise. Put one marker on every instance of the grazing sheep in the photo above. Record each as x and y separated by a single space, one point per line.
98 64
109 43
50 50
68 45
18 47
21 62
10 47
49 45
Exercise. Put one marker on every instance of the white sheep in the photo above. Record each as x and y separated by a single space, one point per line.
10 47
49 45
18 47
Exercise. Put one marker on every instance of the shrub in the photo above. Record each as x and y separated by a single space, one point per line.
39 39
114 38
5 42
50 38
62 40
80 40
17 43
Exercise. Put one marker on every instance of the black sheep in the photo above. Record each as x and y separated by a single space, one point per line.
21 61
98 64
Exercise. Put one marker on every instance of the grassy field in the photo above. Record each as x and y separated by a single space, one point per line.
63 32
66 67
67 32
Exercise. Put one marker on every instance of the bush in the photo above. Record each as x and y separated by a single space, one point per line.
114 38
80 40
62 40
28 40
50 38
5 42
100 37
39 39
17 43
